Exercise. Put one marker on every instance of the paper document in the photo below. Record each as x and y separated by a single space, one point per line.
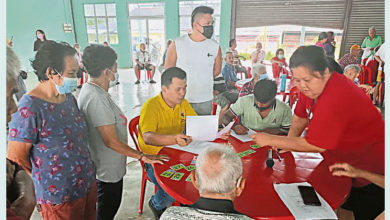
243 137
194 147
202 128
291 197
225 129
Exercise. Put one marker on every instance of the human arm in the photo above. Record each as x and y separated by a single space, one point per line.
153 138
110 140
298 124
364 44
170 60
345 169
227 117
254 57
217 63
276 131
19 152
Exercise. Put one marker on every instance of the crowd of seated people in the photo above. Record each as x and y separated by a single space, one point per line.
79 164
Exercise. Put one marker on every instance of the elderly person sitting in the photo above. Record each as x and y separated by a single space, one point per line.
260 111
259 72
218 177
258 55
352 72
370 42
350 58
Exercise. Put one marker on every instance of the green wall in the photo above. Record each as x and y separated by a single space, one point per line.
24 17
50 15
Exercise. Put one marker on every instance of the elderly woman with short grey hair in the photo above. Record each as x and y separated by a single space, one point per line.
371 42
259 72
352 72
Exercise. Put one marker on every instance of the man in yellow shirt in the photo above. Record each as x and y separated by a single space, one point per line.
162 123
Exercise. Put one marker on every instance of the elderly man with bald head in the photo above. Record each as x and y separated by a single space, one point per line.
218 177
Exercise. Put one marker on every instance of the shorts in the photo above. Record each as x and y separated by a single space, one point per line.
147 67
366 202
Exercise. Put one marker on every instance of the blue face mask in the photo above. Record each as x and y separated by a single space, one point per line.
280 56
263 76
68 85
113 83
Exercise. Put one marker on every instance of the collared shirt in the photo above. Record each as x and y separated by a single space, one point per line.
368 43
348 59
62 169
280 115
142 57
260 57
156 116
247 88
229 74
204 208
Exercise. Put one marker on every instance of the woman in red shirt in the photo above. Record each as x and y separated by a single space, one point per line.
345 127
279 63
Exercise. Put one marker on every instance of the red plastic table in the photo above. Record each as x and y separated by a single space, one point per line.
259 199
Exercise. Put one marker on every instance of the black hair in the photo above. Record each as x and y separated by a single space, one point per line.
42 32
331 33
231 42
278 50
312 57
334 66
97 58
200 10
323 35
170 73
51 54
265 90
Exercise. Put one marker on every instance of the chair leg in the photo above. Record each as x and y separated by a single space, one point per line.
142 196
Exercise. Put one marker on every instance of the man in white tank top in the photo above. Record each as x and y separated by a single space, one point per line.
200 57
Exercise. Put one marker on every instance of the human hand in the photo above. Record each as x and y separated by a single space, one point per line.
262 139
239 129
147 158
345 169
225 136
183 140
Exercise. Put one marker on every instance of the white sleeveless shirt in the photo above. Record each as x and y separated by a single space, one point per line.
197 60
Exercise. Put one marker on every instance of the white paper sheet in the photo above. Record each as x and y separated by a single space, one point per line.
225 129
202 128
291 197
194 147
243 137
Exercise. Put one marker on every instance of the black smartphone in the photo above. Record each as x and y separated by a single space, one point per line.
309 195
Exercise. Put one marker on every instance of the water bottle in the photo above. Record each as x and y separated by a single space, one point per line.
283 82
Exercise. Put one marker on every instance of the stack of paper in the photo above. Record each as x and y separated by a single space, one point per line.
194 147
291 197
243 137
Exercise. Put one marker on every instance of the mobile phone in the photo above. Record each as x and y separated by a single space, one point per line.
309 195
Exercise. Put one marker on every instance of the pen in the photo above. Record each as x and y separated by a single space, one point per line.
277 154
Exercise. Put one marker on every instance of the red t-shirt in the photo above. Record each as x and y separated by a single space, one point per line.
304 107
349 127
280 60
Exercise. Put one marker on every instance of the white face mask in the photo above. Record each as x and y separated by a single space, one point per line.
113 83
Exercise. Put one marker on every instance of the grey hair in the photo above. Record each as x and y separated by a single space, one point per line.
13 65
372 27
352 66
257 67
218 169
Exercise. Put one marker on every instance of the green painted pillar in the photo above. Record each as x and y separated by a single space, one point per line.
123 46
226 13
171 13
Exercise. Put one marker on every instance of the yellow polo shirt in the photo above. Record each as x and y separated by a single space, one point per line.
156 116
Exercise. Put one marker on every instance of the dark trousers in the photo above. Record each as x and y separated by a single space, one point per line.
109 197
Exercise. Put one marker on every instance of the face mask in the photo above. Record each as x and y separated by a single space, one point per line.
208 31
263 76
261 109
113 83
23 74
356 81
69 85
280 56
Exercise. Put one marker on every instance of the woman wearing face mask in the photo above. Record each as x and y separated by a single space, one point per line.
107 126
41 38
259 72
47 137
279 63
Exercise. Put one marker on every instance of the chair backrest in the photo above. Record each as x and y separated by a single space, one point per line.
293 96
133 130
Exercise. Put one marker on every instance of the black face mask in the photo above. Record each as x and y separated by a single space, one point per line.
208 31
23 74
261 109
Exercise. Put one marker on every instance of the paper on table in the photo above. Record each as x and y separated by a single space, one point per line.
202 128
243 137
291 197
194 147
225 129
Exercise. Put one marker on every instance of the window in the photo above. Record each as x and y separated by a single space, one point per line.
186 8
101 23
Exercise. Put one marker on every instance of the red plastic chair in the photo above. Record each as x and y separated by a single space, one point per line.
293 96
133 130
148 74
